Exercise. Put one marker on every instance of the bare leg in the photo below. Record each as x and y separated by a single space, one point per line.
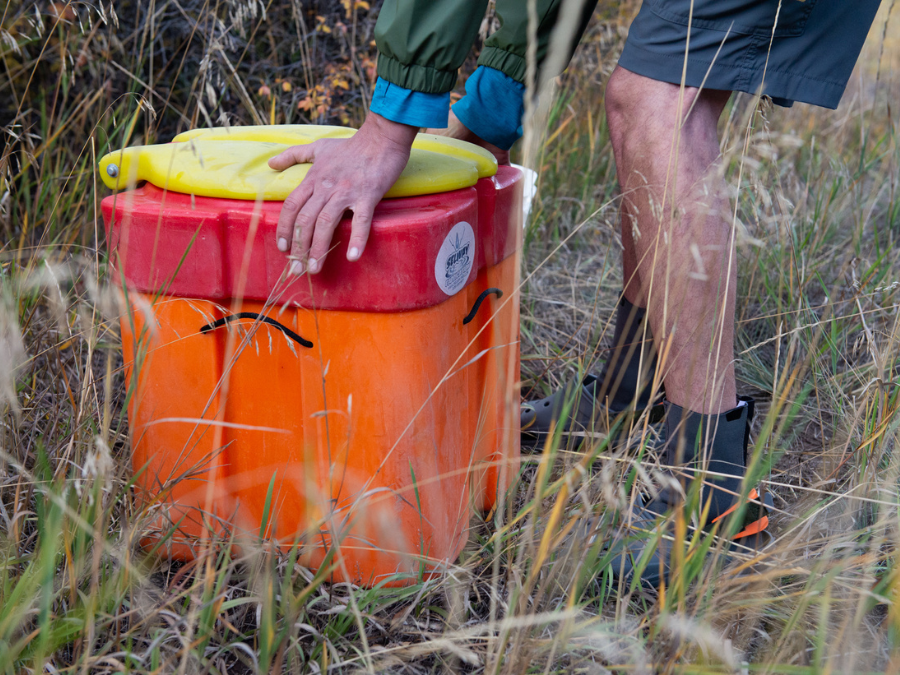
631 279
675 233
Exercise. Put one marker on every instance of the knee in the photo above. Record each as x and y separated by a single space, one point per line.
639 110
620 103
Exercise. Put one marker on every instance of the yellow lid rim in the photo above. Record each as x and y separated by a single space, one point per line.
232 162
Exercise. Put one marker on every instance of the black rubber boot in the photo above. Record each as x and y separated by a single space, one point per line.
691 439
724 436
606 396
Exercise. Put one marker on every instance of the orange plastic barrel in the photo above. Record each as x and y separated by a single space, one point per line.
364 413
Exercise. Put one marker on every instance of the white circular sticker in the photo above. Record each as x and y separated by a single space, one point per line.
455 259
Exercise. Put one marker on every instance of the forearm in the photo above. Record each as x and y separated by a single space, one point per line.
492 108
387 132
422 45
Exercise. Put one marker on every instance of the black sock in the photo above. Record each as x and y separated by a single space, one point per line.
618 382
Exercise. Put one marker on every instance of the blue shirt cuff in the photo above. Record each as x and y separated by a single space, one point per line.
493 106
410 107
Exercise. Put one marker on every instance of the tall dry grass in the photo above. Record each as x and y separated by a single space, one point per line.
817 345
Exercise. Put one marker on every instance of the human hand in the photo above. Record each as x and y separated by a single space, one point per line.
456 129
346 174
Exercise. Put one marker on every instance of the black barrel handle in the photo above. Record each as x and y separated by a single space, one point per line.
486 292
218 323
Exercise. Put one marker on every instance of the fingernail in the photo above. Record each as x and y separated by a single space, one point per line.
282 244
313 265
353 254
297 268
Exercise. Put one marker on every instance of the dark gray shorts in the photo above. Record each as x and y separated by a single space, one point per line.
809 57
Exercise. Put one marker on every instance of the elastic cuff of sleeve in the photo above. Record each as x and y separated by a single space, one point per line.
492 108
415 77
410 107
511 65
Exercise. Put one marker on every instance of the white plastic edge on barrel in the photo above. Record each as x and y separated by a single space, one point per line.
529 190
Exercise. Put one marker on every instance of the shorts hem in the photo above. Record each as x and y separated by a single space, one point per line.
782 86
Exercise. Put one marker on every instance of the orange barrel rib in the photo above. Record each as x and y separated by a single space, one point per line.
364 413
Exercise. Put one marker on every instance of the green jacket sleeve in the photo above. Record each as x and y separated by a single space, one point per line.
505 50
422 43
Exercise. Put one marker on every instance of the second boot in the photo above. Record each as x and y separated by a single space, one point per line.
692 438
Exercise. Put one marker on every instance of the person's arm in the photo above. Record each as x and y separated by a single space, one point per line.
421 46
506 48
490 114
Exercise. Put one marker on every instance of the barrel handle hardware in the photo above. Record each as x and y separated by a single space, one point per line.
218 323
486 292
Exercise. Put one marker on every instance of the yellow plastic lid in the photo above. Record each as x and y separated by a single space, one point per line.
232 162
